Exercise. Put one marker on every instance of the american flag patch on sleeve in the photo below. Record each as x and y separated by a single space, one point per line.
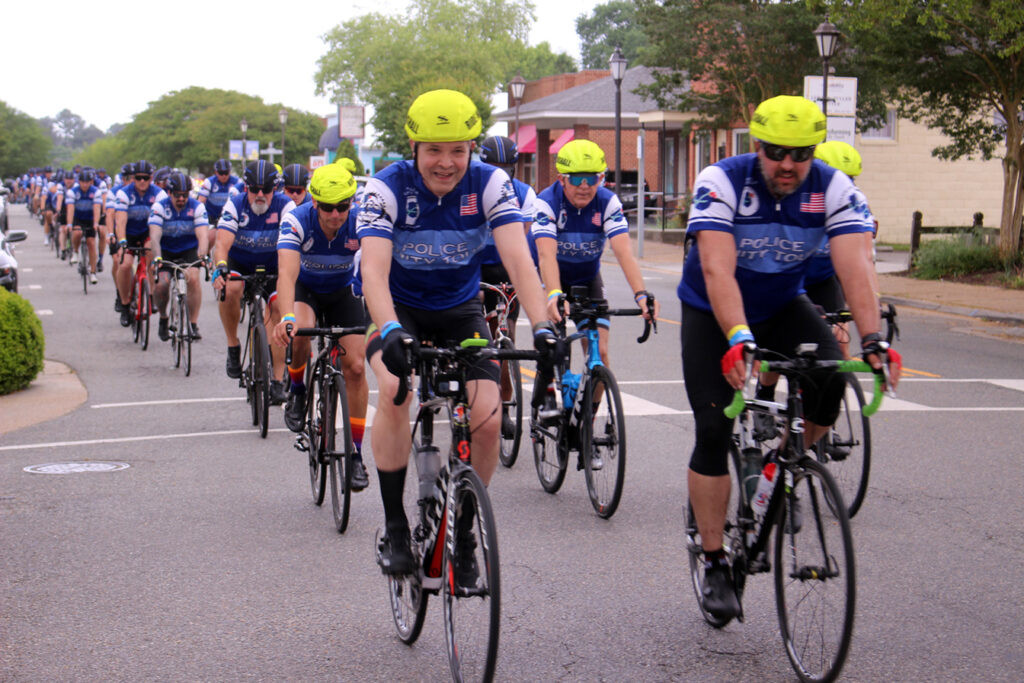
469 205
812 202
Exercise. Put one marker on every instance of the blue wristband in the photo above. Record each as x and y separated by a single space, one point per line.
389 327
740 336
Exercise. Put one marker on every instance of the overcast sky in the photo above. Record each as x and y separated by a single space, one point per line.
54 53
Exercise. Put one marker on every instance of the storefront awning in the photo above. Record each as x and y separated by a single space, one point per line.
562 139
526 139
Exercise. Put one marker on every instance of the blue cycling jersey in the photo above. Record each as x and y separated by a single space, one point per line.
137 207
178 228
581 233
217 194
255 234
775 238
436 241
325 265
526 196
83 201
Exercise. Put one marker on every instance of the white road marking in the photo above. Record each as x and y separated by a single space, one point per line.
25 270
166 402
1017 384
33 286
128 439
44 311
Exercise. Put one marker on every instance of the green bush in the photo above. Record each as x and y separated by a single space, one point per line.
21 343
947 258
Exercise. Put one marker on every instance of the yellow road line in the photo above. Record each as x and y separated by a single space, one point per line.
919 373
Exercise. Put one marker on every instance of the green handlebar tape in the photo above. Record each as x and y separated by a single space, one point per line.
473 341
738 403
736 407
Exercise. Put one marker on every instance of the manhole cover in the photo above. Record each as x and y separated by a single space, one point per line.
76 467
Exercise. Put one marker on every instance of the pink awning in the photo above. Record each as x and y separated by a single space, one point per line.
526 139
560 142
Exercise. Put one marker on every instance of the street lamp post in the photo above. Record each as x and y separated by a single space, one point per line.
618 68
282 116
245 127
827 37
518 88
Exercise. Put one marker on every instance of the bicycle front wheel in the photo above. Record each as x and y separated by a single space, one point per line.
603 442
471 583
815 580
174 327
846 448
512 409
261 377
83 265
340 461
318 415
145 306
185 334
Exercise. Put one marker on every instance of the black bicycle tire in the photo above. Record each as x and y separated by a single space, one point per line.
408 617
261 377
509 453
340 466
247 379
145 306
467 480
813 511
602 375
174 325
316 407
849 477
133 310
83 264
186 334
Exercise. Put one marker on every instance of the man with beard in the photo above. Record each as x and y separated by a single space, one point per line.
247 238
758 218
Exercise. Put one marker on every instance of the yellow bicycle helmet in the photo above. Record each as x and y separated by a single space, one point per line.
841 155
580 156
788 120
332 183
443 116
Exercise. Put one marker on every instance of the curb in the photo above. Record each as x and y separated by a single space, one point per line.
980 313
54 393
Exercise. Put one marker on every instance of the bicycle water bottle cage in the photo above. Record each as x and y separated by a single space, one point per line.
570 385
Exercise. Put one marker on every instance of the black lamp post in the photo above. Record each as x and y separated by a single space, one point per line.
282 116
518 87
827 37
617 63
245 127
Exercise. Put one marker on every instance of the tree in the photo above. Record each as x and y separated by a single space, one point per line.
958 66
613 23
473 46
348 150
23 143
537 61
108 152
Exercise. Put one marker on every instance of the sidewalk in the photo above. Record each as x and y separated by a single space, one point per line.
55 392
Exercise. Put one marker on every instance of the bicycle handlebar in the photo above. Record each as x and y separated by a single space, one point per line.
597 308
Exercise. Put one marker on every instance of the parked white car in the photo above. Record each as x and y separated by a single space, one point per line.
9 264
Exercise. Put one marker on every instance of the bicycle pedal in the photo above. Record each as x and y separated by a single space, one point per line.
301 443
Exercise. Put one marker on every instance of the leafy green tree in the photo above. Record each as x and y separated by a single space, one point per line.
348 150
108 152
610 24
537 61
958 66
723 57
23 142
473 46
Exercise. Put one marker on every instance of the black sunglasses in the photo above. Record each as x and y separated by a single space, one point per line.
142 177
294 190
179 195
340 207
269 190
778 153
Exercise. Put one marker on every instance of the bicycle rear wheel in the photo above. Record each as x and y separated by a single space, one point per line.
603 442
471 583
261 377
133 309
144 313
512 409
732 541
83 264
846 448
186 333
408 602
340 462
317 419
174 325
815 580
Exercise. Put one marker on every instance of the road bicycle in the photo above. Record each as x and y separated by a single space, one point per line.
455 517
140 307
83 261
582 412
179 323
511 378
257 366
326 408
815 578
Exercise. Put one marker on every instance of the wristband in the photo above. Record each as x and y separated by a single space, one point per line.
639 295
122 243
288 318
388 327
740 334
870 338
221 263
554 294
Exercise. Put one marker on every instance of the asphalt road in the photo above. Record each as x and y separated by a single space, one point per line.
205 559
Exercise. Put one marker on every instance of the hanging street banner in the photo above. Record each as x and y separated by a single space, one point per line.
842 94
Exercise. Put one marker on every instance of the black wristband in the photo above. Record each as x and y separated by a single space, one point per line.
544 325
870 339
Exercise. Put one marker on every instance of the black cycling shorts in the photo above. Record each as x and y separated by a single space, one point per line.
495 274
595 291
245 269
828 294
340 308
86 226
443 328
704 344
179 257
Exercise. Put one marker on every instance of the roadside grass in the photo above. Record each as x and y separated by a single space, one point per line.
938 259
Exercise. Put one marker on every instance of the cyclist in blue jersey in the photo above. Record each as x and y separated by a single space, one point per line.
53 188
215 192
421 227
575 217
316 253
246 238
62 227
758 218
177 234
131 228
295 179
42 180
84 202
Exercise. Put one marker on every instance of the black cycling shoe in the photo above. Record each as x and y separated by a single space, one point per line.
508 426
360 480
719 593
395 553
162 330
99 266
118 306
467 570
126 316
765 427
295 410
278 394
234 364
195 332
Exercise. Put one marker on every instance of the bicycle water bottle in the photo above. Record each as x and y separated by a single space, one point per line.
428 465
765 485
751 463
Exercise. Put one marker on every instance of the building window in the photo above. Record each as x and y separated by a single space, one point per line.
702 147
886 132
740 141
